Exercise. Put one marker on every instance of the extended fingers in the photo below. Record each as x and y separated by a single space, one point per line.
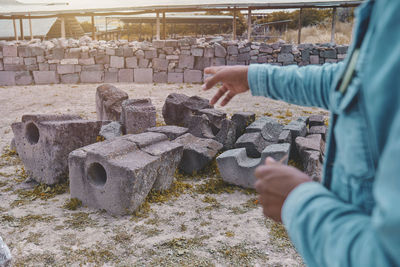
227 98
221 91
216 78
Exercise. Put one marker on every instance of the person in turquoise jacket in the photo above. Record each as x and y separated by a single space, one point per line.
353 217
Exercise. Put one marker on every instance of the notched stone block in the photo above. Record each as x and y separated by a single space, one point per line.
117 175
43 143
138 115
238 169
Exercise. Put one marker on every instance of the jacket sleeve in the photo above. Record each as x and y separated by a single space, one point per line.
329 232
306 86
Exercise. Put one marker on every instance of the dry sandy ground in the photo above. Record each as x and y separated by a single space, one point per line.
200 223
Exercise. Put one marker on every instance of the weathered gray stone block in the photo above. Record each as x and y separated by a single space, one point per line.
174 77
253 142
186 62
143 75
131 62
200 126
23 78
30 61
111 131
312 164
233 50
109 102
151 53
160 77
218 61
44 141
316 120
197 52
269 127
285 137
285 58
314 59
296 128
45 77
65 69
125 75
110 77
209 52
227 134
92 76
215 116
160 64
178 108
138 115
242 120
238 169
70 78
318 130
95 67
117 175
7 78
220 51
197 152
117 62
10 51
328 53
171 131
193 76
158 43
87 61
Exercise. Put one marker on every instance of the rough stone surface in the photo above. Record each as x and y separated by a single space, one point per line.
143 75
237 168
254 143
111 131
178 108
125 75
312 164
92 76
200 126
193 76
197 152
297 128
44 141
316 120
23 78
242 120
117 62
45 77
117 175
172 132
109 102
174 77
138 115
7 78
215 116
318 130
227 134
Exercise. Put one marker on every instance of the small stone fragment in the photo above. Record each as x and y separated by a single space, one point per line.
109 102
111 130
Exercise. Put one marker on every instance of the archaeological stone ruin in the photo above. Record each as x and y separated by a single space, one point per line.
114 162
162 61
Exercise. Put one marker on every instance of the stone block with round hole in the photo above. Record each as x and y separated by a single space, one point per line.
43 143
117 175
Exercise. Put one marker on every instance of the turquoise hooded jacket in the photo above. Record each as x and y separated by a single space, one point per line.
353 217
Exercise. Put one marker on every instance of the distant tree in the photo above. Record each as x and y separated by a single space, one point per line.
86 26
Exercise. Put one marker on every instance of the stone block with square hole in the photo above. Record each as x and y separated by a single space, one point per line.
238 169
43 143
117 175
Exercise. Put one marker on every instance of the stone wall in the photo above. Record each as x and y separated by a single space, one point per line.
173 61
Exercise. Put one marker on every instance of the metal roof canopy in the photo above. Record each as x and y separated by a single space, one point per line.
197 19
104 8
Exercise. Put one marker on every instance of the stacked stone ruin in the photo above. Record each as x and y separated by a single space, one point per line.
165 61
114 162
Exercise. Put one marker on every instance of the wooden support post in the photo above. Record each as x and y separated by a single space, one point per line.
333 25
30 27
249 25
164 21
62 27
15 30
106 29
300 15
158 26
234 25
93 29
21 28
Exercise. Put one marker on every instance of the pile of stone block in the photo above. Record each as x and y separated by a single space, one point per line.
162 61
135 157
